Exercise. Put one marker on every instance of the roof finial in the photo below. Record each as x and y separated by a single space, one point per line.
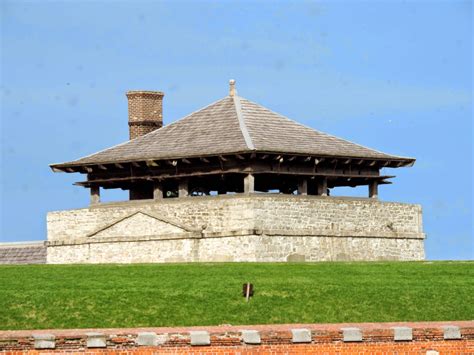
232 87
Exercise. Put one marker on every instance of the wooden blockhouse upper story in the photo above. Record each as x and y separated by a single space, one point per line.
230 146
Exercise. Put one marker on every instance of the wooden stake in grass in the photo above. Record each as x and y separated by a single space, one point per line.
247 290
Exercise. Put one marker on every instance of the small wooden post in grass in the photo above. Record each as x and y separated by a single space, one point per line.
247 290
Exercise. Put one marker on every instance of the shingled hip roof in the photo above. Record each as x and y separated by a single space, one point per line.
232 125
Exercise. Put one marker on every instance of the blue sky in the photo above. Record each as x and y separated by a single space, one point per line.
392 75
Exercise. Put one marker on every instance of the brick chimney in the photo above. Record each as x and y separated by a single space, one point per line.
145 112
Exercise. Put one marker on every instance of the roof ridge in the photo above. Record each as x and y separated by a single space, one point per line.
323 133
242 125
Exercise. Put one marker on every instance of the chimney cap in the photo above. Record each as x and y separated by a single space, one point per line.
144 92
232 90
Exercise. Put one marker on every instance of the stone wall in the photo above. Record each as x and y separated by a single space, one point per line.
263 227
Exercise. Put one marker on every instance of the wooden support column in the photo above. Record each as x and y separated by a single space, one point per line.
249 184
322 187
303 186
373 189
183 188
157 191
95 195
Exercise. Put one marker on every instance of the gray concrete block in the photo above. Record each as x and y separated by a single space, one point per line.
251 336
96 340
44 341
351 334
301 335
402 333
200 337
147 339
451 332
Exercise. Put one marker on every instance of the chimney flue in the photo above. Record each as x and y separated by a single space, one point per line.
232 87
145 112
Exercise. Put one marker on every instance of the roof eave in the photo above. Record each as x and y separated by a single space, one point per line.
398 161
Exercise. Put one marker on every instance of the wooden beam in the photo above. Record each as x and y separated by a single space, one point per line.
157 191
135 164
172 162
373 163
265 156
373 189
360 162
347 161
102 167
95 195
205 160
334 161
308 159
322 186
249 184
223 158
88 169
292 158
184 160
152 163
240 157
117 165
183 190
303 186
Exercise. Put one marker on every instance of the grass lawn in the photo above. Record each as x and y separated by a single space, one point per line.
80 296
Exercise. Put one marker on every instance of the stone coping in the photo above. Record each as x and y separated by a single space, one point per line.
254 196
28 244
228 335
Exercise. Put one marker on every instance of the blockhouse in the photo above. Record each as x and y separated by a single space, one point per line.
233 181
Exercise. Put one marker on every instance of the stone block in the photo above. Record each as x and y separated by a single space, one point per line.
150 339
351 334
295 258
402 333
251 336
96 340
451 332
44 341
301 335
200 337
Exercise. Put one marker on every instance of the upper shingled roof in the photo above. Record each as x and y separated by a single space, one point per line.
229 126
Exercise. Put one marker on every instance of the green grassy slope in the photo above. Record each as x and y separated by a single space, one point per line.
79 296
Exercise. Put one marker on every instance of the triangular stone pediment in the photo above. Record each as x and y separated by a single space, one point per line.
138 224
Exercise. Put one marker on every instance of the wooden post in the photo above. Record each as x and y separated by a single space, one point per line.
249 184
373 189
322 188
183 188
303 187
95 195
157 191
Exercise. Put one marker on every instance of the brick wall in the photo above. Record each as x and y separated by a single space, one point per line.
387 338
145 112
237 228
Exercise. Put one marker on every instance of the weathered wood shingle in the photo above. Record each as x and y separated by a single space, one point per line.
228 126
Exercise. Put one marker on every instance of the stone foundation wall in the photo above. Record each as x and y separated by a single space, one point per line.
237 228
